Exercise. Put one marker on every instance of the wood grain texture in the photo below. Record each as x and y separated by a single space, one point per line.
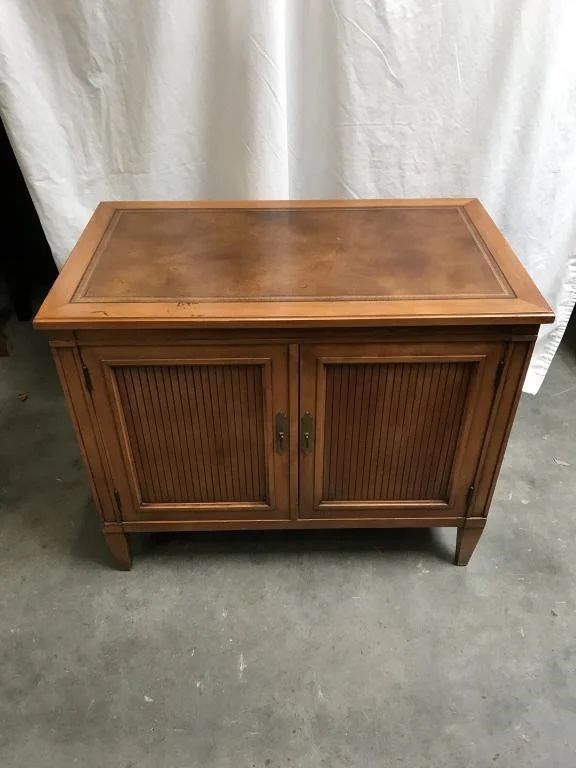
505 406
401 422
190 430
466 540
293 420
232 524
119 545
291 263
208 336
197 432
397 426
69 367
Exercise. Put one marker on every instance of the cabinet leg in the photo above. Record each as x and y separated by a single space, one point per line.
466 540
119 546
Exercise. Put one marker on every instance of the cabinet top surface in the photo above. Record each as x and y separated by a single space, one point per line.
370 262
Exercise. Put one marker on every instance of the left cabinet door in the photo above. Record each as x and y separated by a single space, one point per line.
191 431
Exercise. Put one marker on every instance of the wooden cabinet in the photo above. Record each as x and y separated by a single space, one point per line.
292 365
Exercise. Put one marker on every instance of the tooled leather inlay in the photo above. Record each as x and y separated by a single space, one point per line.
298 254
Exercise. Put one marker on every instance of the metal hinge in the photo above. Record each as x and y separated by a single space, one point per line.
470 496
117 498
499 372
87 378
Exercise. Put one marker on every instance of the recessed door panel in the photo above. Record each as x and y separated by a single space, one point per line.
196 431
396 427
190 430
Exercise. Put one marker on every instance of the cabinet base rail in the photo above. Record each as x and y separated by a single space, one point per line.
117 535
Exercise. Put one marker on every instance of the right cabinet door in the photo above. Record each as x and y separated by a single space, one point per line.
393 430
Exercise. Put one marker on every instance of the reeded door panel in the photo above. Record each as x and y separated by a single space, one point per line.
190 430
397 428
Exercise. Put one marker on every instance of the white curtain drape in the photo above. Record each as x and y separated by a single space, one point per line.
184 99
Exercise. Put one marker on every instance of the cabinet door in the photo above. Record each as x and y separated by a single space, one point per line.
190 430
393 429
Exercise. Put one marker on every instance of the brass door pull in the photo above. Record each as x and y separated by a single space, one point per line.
281 432
307 427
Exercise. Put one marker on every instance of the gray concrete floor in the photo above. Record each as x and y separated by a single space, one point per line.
283 650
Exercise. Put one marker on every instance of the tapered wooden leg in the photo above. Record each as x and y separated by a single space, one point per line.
466 540
119 545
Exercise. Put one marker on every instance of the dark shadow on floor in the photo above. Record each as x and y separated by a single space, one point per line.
89 544
254 544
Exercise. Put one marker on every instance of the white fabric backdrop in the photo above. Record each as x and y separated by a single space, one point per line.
187 99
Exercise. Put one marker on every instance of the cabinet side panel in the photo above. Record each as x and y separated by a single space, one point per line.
69 367
505 406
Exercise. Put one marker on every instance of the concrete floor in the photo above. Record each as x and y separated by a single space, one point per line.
283 650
